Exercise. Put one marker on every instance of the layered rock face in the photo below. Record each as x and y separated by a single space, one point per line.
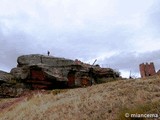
47 72
39 71
37 59
5 77
9 87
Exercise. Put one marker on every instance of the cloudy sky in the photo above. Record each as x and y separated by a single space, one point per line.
120 34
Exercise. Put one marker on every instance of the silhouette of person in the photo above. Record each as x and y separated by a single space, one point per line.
48 53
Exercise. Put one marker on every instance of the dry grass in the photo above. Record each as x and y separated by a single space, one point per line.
146 108
108 101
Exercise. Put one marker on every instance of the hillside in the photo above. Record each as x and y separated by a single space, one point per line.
99 102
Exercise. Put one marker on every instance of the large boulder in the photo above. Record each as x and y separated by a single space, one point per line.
20 73
60 74
40 71
51 61
24 72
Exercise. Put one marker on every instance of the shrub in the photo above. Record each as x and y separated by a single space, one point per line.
105 80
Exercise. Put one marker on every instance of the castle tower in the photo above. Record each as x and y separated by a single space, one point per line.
142 70
147 69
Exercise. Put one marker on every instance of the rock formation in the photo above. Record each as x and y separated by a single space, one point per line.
42 72
47 72
9 87
5 77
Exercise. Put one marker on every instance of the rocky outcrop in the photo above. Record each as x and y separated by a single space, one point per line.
39 71
5 77
48 72
52 67
11 90
9 87
20 73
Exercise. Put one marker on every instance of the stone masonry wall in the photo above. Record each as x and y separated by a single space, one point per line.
147 69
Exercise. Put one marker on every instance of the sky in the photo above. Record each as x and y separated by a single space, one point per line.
120 34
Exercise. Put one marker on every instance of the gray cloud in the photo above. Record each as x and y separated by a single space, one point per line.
129 61
75 29
12 45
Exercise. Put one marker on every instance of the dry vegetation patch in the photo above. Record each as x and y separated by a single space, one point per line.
99 102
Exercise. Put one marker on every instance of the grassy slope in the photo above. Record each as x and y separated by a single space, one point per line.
99 102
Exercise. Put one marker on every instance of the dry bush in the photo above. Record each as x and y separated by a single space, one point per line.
58 91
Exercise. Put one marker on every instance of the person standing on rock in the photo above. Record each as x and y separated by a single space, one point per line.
48 53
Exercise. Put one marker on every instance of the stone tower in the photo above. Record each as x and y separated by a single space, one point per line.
147 69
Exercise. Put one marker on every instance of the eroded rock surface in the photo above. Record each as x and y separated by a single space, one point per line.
37 71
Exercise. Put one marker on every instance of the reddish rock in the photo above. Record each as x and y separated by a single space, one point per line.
48 72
